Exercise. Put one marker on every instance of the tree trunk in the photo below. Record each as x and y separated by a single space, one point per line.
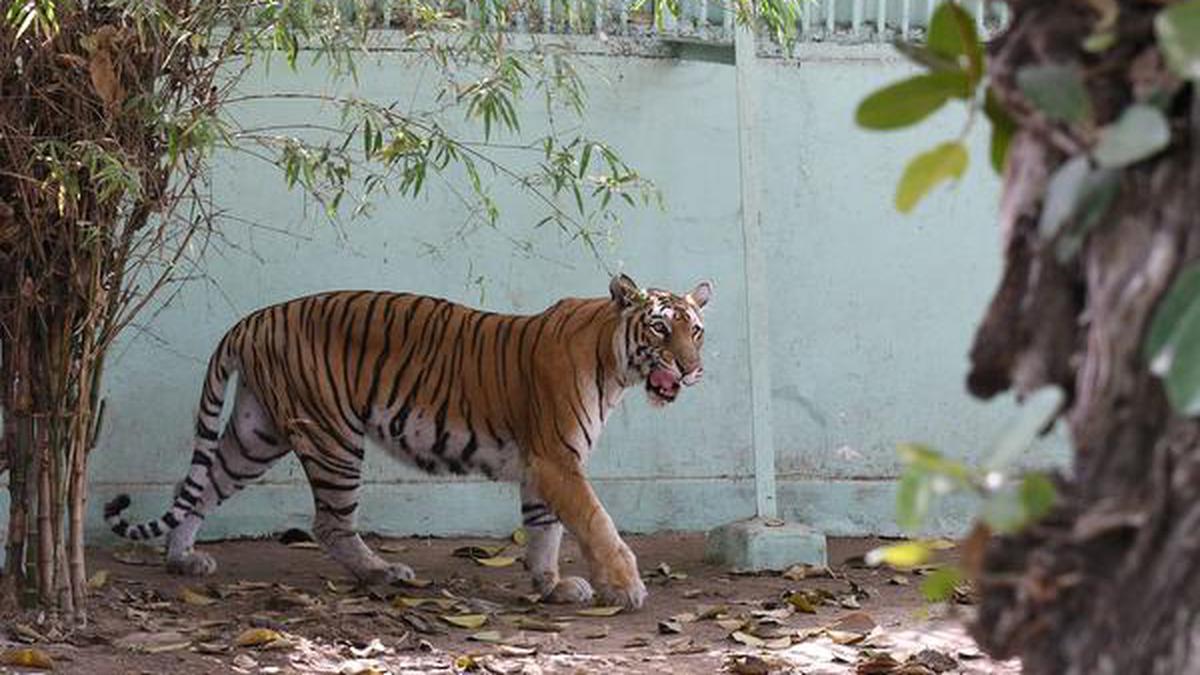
1109 582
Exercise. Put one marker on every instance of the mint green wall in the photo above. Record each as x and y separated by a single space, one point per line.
871 313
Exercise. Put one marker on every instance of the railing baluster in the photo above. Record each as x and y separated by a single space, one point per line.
856 17
881 18
830 16
980 9
905 12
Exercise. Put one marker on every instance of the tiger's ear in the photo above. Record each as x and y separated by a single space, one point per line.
701 293
624 290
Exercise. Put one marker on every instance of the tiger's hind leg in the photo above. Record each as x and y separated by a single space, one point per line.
335 483
247 447
541 555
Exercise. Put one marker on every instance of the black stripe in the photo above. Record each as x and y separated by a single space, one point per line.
204 432
170 521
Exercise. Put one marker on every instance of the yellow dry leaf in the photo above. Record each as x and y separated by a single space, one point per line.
465 662
27 658
600 611
747 639
257 637
193 598
498 561
471 621
98 580
485 636
520 537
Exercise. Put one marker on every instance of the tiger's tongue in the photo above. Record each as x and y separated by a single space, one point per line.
663 379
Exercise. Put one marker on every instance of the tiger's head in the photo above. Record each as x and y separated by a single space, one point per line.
663 335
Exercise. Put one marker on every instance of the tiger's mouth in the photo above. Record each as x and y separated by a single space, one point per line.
662 386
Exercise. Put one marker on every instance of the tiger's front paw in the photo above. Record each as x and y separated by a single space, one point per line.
617 580
392 573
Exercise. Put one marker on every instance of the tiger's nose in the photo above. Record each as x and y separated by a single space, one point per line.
692 376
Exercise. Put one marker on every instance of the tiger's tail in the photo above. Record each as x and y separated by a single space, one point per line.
189 493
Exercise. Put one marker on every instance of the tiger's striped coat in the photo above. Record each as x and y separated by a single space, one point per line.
443 387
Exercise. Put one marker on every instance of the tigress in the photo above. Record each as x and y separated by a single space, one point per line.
449 389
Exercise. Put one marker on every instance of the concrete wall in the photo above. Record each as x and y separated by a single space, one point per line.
871 312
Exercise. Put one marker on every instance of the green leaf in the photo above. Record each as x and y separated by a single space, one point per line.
1003 129
1140 132
922 56
952 34
1178 29
1037 495
1174 311
940 584
1038 410
907 102
945 162
1057 90
913 497
1100 187
1172 345
1062 195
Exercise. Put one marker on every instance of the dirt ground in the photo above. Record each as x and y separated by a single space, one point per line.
276 608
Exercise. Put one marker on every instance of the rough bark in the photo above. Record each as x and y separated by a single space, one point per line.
1109 582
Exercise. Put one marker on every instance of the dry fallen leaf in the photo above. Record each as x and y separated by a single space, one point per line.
97 581
731 624
850 602
256 637
599 611
477 551
416 582
748 664
636 642
465 662
486 636
899 580
154 643
747 639
879 663
393 548
27 658
191 597
408 602
471 621
498 561
535 624
669 627
802 603
304 545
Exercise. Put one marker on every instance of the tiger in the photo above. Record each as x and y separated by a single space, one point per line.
446 388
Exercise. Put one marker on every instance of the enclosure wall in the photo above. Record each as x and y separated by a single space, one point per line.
870 311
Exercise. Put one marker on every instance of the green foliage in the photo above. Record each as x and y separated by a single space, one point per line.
1057 91
1139 133
910 101
1178 30
1172 344
940 584
947 161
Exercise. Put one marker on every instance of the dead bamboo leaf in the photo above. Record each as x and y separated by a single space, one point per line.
636 642
489 636
516 650
600 611
98 580
669 627
748 664
471 621
191 597
393 548
801 603
466 662
535 624
731 624
520 536
27 658
416 582
850 602
684 645
257 637
899 580
474 551
311 545
498 561
747 639
409 602
154 643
